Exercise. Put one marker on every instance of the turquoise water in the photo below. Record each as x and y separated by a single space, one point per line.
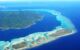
69 9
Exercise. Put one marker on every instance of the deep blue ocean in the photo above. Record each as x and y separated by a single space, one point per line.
69 9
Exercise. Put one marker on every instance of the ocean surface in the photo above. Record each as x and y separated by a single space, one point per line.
69 9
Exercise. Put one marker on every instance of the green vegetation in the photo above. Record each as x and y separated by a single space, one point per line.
18 19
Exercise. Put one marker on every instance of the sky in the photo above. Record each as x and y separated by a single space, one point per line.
38 0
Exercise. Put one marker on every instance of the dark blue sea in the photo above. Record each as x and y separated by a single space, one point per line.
69 9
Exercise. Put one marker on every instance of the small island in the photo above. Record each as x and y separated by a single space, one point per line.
18 19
